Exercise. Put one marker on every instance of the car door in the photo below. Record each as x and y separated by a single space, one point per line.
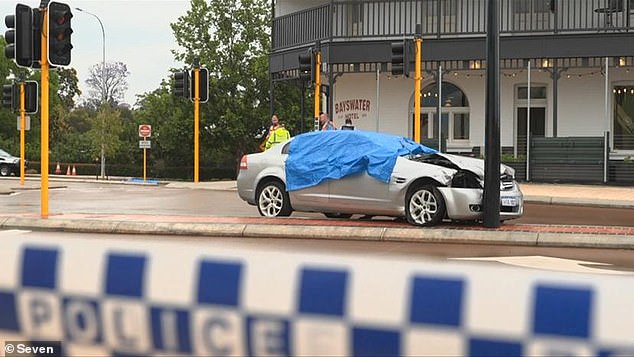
313 198
358 193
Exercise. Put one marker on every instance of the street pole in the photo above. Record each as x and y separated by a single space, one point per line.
196 119
44 117
144 161
491 199
303 109
417 84
22 127
103 87
317 86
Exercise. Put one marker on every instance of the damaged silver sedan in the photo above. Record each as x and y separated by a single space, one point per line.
423 188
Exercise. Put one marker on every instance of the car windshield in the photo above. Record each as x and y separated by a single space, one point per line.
4 153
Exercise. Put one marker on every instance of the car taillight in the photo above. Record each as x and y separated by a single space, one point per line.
243 163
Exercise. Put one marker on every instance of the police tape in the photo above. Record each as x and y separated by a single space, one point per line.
117 297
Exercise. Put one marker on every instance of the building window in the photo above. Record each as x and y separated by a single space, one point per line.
454 124
538 110
461 126
536 92
623 117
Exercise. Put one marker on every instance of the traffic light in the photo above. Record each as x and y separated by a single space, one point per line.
9 96
181 84
19 36
37 37
203 84
398 58
306 66
59 31
30 97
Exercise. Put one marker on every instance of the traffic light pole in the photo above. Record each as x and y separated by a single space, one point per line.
417 83
44 119
317 85
196 121
22 128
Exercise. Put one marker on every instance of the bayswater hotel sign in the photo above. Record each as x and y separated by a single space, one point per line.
354 109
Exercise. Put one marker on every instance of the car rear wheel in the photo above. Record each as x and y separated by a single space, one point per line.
273 200
5 170
424 206
337 215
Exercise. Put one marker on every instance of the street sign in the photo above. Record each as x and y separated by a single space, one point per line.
145 130
145 144
27 121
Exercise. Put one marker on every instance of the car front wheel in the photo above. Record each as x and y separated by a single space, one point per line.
5 170
273 200
424 206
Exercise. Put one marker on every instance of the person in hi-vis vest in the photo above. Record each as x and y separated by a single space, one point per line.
277 136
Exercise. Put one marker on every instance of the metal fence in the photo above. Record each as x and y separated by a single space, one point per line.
448 18
569 159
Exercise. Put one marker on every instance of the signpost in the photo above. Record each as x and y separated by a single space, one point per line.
27 123
145 131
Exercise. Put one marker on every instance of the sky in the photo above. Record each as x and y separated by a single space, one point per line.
138 33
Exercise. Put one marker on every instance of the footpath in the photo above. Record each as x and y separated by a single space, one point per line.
508 233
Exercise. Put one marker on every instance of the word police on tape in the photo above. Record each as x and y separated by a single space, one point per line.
139 298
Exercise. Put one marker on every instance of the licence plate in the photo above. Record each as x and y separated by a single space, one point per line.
509 201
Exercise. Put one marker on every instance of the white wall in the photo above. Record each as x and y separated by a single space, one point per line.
581 101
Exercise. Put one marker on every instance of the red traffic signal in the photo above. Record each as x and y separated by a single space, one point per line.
59 33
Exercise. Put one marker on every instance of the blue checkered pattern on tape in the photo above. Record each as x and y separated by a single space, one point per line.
331 308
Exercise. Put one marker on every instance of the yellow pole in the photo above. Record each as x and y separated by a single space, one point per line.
144 161
417 84
44 124
22 128
196 122
317 83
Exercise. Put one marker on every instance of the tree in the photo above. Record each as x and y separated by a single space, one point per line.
232 40
113 88
68 87
107 83
106 129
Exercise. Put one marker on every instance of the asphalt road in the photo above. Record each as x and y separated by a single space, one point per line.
98 198
577 260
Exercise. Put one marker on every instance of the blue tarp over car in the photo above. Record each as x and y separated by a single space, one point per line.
321 155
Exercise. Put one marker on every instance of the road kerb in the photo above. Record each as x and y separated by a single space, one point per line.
440 235
196 229
422 235
547 239
313 232
64 225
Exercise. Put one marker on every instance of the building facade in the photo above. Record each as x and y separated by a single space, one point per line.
566 68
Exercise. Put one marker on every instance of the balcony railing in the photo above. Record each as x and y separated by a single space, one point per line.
386 19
